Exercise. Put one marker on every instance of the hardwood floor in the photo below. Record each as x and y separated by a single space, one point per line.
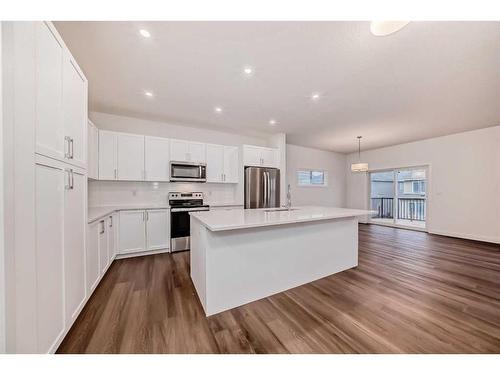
411 293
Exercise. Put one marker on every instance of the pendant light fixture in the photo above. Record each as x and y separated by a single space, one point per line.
359 166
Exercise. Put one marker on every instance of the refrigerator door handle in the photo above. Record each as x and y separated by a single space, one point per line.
268 203
264 181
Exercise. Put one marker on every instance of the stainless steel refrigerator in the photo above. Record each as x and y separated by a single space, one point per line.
262 187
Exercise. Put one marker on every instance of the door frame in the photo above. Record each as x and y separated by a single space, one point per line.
427 168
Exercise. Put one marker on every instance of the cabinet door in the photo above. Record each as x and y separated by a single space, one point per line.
49 120
132 231
231 164
197 152
103 247
179 150
92 255
107 155
252 156
157 158
74 243
215 163
130 157
157 229
92 156
49 209
110 224
268 157
74 112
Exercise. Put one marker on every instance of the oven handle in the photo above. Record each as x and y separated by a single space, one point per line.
189 209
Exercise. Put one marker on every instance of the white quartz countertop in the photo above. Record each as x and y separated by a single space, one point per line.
220 220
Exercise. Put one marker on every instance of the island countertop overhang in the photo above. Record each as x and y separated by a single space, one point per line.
223 220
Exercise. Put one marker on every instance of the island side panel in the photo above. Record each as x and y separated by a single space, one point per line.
198 259
245 265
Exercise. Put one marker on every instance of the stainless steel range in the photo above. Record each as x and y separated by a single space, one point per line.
180 206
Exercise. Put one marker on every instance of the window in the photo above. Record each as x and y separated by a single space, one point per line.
310 177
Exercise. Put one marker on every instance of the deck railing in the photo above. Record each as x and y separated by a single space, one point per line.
408 208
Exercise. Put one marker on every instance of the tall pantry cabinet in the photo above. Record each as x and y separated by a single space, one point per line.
47 125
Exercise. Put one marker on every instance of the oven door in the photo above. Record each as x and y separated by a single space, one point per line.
180 228
188 172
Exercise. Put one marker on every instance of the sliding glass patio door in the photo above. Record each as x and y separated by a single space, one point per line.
399 197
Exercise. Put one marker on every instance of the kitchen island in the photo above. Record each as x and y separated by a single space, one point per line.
239 256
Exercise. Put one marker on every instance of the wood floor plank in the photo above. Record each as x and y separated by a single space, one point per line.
411 293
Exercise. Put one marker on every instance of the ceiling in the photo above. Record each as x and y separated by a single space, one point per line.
428 79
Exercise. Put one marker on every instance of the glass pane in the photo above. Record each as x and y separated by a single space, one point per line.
304 177
382 194
411 197
317 177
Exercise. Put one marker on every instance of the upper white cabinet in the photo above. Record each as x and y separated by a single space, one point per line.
108 146
61 100
93 151
222 163
74 101
130 157
187 151
157 158
260 156
49 119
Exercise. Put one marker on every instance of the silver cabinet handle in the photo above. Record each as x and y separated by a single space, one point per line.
71 155
72 179
68 186
147 215
116 174
143 215
67 154
102 227
111 221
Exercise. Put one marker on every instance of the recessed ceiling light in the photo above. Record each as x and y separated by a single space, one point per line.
145 33
217 109
272 122
248 70
149 94
315 96
383 28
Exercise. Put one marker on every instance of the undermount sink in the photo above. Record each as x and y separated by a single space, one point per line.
280 209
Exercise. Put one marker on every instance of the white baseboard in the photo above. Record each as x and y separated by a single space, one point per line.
142 253
466 236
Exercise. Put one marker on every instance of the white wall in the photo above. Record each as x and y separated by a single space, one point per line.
309 158
464 181
2 244
123 193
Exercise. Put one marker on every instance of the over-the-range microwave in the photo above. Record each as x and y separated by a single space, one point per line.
183 171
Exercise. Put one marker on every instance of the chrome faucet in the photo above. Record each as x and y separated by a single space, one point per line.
289 198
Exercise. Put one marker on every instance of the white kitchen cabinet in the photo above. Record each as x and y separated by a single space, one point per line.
231 164
49 120
74 242
222 163
103 247
157 229
49 235
108 145
60 100
92 151
157 158
186 151
93 271
130 157
260 156
111 224
215 163
132 231
74 100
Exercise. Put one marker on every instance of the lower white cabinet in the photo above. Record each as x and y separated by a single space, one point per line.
132 231
103 247
111 223
92 261
60 209
143 230
157 229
